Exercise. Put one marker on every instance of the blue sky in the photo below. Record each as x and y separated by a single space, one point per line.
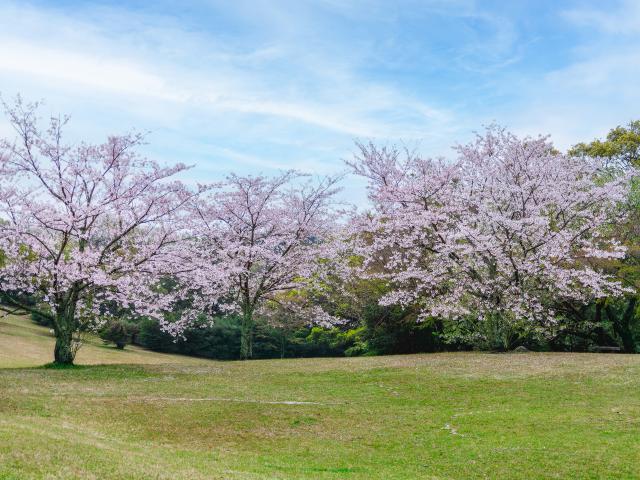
254 86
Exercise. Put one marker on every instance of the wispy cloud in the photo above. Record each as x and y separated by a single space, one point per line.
257 85
623 18
76 69
596 89
222 80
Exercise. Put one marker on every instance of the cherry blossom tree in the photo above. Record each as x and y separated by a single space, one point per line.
257 237
83 227
506 229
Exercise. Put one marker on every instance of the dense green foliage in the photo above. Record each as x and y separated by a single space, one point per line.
618 320
119 332
221 340
621 145
40 319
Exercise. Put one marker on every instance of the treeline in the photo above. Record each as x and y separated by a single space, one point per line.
381 332
509 244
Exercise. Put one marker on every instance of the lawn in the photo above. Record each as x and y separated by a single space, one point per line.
453 415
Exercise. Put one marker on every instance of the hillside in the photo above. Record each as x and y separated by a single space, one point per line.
26 344
455 415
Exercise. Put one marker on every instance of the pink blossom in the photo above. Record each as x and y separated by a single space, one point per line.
85 225
510 226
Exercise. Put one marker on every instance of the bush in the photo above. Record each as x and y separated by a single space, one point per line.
153 338
118 332
496 332
219 339
394 330
40 319
333 342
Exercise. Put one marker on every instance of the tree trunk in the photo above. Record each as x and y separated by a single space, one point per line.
64 353
65 326
246 335
602 337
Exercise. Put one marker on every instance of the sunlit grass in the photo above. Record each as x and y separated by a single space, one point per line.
25 344
458 415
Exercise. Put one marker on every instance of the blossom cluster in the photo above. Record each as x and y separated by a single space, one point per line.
510 226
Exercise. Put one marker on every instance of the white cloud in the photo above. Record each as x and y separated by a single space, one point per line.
593 92
80 70
293 90
165 63
623 18
581 100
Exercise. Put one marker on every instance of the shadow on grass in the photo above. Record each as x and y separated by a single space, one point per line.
100 371
62 366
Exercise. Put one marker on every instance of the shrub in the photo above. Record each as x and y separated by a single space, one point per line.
495 332
219 339
40 319
118 332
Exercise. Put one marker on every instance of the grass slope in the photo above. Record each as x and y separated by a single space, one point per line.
26 344
460 415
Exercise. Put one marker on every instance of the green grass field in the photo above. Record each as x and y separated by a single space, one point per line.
458 415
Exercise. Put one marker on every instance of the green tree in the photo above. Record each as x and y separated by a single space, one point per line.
118 332
622 148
